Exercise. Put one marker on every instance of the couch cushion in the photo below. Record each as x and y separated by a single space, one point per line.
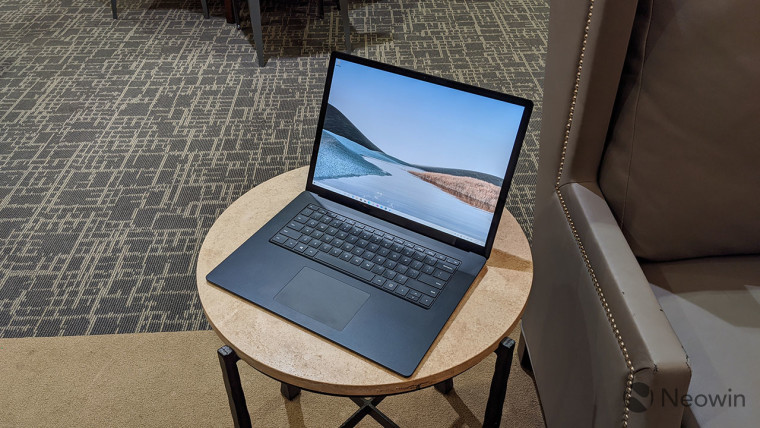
713 305
680 170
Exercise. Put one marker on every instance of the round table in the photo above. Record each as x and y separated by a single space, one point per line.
297 357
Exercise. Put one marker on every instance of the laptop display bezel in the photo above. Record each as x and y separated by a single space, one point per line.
463 244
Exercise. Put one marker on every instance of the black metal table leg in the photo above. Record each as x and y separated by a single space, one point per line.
346 24
495 404
367 407
254 9
445 387
289 391
228 360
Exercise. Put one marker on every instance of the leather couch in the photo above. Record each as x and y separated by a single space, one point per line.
645 308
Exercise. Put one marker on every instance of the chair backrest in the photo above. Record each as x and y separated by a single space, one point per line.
681 166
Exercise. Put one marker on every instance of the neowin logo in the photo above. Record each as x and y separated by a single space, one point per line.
643 398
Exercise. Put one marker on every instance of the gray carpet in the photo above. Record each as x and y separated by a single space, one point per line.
122 141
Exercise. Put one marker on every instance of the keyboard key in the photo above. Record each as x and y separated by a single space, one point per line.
305 239
401 278
280 239
445 267
368 255
346 256
347 247
383 251
311 252
336 252
454 262
378 270
365 235
401 269
394 256
405 260
390 285
317 234
321 227
306 212
390 264
428 269
407 251
302 218
300 247
332 231
402 290
368 265
412 273
416 265
441 275
290 243
430 260
418 256
429 280
325 247
378 280
358 251
317 216
413 295
373 247
352 239
307 230
295 225
389 274
379 260
386 243
423 288
356 260
426 301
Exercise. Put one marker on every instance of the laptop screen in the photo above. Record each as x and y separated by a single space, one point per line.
430 153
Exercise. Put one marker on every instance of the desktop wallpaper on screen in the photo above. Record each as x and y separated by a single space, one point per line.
426 152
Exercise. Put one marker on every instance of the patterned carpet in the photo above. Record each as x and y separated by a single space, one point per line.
122 141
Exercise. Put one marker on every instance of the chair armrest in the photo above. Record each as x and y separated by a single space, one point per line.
598 341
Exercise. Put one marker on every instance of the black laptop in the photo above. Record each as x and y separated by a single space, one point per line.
407 182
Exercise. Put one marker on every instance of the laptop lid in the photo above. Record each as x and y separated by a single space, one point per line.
431 155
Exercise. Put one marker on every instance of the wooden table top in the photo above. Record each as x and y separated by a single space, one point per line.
289 353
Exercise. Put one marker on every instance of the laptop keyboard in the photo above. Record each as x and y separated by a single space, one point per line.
395 265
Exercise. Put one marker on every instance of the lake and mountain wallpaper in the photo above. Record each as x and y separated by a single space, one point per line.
429 153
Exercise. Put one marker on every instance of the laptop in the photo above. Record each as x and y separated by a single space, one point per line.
407 182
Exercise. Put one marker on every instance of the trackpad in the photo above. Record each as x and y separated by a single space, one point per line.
322 298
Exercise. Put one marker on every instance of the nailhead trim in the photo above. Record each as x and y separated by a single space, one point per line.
599 292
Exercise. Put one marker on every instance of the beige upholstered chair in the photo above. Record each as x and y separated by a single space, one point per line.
645 308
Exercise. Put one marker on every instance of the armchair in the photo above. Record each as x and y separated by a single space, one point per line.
645 308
